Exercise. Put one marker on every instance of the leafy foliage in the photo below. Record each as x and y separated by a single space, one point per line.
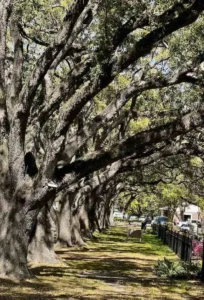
177 270
108 97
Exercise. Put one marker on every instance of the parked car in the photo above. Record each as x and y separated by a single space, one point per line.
197 222
185 227
133 218
118 215
154 220
142 218
160 220
180 223
195 226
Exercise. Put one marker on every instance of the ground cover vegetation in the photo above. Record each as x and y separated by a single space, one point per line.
178 269
97 99
107 268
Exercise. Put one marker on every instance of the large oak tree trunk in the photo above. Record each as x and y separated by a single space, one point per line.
76 230
13 239
41 248
104 213
107 213
83 215
93 210
64 223
100 214
70 223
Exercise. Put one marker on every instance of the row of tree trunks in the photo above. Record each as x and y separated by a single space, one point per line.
41 247
75 220
73 226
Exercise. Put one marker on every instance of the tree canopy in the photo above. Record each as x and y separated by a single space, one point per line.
96 96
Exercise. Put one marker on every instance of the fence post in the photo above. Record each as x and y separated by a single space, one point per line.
186 248
177 242
170 238
173 241
165 230
183 247
202 270
181 244
189 248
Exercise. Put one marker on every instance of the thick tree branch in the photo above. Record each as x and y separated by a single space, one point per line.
5 11
132 163
135 88
33 38
117 64
66 37
139 144
16 80
145 20
64 92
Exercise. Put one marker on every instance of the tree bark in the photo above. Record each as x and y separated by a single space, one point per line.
64 223
41 248
84 219
76 230
13 239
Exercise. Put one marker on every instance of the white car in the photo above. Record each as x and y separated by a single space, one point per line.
180 223
197 222
118 215
185 227
142 218
133 218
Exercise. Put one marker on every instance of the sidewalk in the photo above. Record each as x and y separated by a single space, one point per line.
109 268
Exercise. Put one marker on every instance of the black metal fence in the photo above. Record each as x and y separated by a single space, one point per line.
181 244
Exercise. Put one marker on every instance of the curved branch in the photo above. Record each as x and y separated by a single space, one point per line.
66 37
117 64
134 89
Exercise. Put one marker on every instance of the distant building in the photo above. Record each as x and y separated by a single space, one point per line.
188 211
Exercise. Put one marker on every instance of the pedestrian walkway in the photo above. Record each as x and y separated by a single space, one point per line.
110 268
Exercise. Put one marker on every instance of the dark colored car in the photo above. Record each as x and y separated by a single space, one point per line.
160 220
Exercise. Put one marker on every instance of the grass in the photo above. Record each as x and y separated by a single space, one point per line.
108 268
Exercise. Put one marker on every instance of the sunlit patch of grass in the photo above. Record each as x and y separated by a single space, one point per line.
109 267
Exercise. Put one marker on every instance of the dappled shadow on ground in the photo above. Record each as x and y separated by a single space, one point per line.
108 268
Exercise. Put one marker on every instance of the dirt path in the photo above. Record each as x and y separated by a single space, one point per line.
108 268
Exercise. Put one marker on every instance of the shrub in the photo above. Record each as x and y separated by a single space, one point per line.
119 219
182 270
170 225
197 248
